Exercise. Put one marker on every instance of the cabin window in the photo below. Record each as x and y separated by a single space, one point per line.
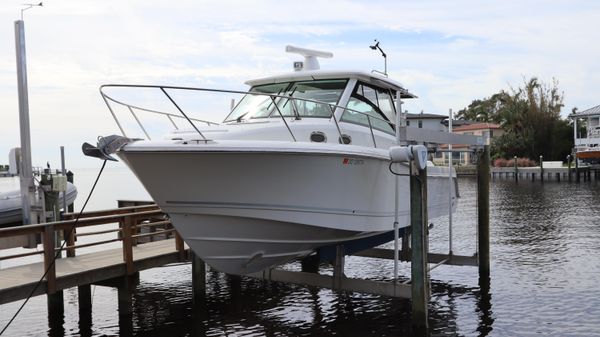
311 99
420 124
367 104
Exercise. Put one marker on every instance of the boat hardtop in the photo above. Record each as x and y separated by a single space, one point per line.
319 74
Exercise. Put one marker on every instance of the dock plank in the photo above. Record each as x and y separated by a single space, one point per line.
17 282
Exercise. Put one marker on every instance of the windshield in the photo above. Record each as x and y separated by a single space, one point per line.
320 94
367 102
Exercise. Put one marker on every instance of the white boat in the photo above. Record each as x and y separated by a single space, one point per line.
10 200
300 163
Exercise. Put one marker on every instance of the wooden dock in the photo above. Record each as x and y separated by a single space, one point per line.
139 229
17 283
537 173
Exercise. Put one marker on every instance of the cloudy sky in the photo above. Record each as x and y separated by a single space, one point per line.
447 52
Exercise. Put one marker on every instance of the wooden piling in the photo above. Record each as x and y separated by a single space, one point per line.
338 267
405 252
49 259
128 245
310 264
542 169
56 304
198 278
419 272
483 216
84 298
516 170
124 291
179 245
569 164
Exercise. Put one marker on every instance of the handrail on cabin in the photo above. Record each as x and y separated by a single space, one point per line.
170 116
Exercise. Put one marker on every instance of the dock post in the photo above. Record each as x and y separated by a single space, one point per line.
419 272
198 278
483 216
405 252
56 314
127 244
516 170
56 305
577 177
310 264
49 260
569 164
179 245
125 304
338 267
124 291
84 299
542 169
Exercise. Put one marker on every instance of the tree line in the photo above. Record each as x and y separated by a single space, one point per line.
530 118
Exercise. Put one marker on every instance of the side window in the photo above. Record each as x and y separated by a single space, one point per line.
364 107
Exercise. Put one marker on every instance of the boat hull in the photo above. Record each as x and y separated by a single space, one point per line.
244 211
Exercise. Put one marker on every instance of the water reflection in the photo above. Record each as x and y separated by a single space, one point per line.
544 280
260 308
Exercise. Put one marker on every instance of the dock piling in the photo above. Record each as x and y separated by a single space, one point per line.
198 278
84 299
542 169
577 176
124 292
338 267
419 272
483 216
516 169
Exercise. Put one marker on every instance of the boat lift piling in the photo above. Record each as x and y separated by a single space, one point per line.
419 238
483 217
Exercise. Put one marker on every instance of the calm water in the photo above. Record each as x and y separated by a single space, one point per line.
545 280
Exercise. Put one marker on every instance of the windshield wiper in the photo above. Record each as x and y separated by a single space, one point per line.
294 108
239 119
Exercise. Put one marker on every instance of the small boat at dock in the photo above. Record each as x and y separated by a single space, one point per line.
10 200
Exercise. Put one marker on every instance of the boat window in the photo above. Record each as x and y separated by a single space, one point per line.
370 101
259 105
326 91
312 99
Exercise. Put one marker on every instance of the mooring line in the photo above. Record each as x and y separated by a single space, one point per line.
57 253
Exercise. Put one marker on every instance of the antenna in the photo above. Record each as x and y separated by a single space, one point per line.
41 4
310 57
375 47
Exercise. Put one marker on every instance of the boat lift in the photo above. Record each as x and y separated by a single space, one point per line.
417 252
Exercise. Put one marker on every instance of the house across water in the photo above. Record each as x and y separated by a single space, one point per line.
587 143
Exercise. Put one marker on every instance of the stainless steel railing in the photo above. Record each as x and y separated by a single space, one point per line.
170 116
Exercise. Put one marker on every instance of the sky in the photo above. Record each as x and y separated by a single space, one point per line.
446 52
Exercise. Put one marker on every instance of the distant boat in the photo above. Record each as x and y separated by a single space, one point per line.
10 200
